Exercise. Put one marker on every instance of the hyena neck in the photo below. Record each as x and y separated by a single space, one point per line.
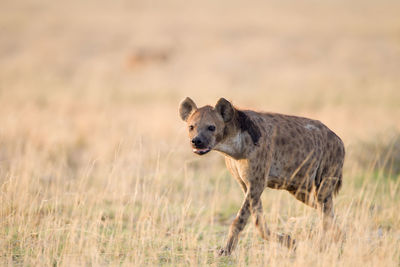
232 146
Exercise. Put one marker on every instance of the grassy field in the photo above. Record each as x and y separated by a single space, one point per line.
95 165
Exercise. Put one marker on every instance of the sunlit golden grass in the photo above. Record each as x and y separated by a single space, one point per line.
134 202
95 165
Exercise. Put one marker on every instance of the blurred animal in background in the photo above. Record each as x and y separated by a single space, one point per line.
145 56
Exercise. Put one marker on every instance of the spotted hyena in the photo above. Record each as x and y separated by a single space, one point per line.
261 150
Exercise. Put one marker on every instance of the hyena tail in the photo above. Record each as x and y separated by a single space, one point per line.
339 169
330 174
329 182
338 184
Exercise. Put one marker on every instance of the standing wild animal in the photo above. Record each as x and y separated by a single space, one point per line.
261 150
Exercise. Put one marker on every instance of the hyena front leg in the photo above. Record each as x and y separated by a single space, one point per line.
236 227
261 225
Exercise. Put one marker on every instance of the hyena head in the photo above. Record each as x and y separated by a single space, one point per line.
206 125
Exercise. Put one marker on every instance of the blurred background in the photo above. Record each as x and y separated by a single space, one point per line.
89 91
337 61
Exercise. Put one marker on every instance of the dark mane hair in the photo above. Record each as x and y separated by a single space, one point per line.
246 124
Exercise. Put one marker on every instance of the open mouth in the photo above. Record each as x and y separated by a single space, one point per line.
201 151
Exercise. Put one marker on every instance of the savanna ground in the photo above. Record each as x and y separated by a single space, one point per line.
95 165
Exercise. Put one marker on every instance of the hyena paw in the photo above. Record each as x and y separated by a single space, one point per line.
291 243
223 252
287 241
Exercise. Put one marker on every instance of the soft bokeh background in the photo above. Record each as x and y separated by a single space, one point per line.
95 166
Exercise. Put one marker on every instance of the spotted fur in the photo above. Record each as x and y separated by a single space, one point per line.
278 151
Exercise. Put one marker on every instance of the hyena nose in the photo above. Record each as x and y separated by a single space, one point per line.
197 142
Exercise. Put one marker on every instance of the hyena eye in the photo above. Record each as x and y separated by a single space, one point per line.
211 128
191 127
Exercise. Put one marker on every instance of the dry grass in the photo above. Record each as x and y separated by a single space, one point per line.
95 168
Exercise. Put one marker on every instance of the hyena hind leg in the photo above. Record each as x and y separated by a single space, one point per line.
321 200
324 197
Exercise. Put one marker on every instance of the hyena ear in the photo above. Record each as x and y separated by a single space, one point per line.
225 109
186 108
